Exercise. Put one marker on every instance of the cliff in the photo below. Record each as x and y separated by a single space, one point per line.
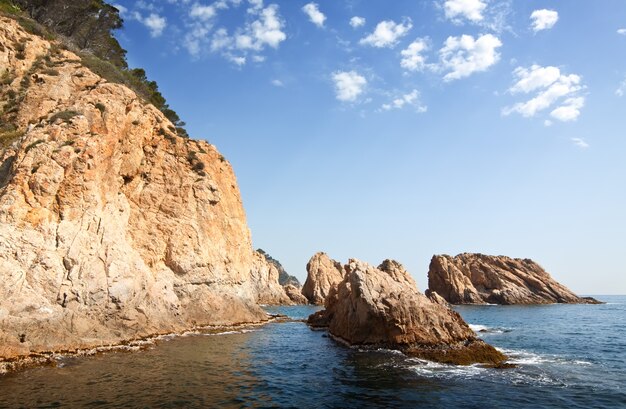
478 279
112 227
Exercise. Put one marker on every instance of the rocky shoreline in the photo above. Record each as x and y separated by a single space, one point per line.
44 358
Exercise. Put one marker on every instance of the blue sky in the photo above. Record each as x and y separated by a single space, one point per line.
401 129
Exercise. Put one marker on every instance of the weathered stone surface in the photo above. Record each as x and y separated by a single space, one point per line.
382 307
284 278
478 279
323 273
111 226
295 295
265 279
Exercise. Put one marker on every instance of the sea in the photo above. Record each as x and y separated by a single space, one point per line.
566 356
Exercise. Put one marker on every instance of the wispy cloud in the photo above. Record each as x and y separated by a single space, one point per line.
410 99
621 89
581 143
553 90
387 33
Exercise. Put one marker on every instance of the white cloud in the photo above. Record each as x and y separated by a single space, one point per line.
543 19
201 12
471 10
530 79
387 33
463 56
278 83
547 122
621 31
263 28
348 85
553 89
267 30
621 90
155 23
357 21
236 59
255 6
412 58
315 15
580 142
410 99
220 40
570 110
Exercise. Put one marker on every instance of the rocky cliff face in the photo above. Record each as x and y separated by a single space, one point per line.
265 280
478 279
111 226
382 307
323 273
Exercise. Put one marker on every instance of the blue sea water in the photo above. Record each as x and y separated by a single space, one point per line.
567 356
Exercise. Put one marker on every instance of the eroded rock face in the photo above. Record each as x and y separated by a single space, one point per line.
265 279
382 307
478 279
295 295
111 226
323 273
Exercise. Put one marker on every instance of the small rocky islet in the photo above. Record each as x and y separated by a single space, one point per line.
114 226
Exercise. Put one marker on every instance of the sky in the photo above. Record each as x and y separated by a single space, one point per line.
401 129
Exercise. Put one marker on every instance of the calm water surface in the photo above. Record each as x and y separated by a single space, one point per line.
571 356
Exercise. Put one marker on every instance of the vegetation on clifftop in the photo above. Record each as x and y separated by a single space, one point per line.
283 277
86 27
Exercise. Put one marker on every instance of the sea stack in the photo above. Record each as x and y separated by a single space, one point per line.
323 273
112 225
382 307
480 279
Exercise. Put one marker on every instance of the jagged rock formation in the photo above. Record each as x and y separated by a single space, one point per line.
382 307
436 298
265 279
323 273
295 295
111 226
284 278
478 279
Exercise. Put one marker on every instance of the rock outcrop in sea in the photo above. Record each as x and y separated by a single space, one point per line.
382 307
479 279
295 294
323 273
112 227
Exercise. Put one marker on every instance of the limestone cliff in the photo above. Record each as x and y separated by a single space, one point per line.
111 226
478 279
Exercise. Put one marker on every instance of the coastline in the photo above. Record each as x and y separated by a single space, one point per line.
18 363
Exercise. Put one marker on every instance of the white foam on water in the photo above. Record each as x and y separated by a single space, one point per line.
521 357
437 370
478 327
